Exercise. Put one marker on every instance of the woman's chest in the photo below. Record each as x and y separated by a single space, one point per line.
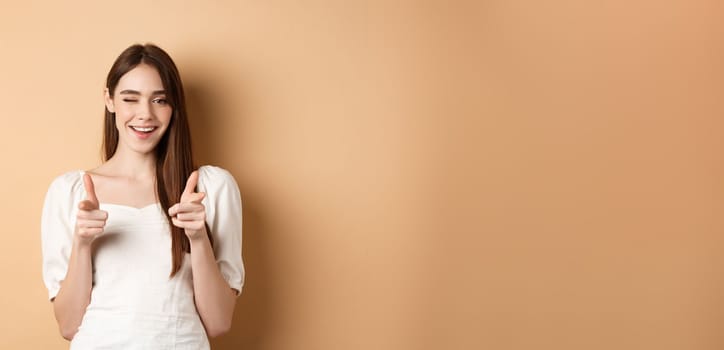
135 242
136 194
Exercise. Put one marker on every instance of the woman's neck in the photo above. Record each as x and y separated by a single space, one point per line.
130 164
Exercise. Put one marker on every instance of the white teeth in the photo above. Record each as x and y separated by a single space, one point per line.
143 129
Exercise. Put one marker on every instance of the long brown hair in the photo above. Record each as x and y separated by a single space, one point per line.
174 161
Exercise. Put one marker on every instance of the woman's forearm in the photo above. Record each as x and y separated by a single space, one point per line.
215 300
73 297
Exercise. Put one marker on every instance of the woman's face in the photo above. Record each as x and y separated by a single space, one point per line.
142 111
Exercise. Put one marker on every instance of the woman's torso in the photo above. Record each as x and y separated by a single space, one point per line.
134 303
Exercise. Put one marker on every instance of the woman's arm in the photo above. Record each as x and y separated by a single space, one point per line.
73 297
74 294
215 300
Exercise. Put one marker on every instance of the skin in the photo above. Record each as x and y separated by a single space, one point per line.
128 178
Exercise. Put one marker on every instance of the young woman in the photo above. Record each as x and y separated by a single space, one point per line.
143 251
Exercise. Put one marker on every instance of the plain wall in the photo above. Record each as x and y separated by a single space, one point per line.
415 174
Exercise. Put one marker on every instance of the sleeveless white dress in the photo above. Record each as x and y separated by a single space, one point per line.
134 304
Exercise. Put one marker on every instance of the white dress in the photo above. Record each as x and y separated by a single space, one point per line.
134 304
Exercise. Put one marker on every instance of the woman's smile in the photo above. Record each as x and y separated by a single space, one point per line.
143 132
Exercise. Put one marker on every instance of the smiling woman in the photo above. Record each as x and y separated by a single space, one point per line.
141 95
143 251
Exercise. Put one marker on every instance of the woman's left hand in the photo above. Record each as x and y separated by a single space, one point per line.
189 214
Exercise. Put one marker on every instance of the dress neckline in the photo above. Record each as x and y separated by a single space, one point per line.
123 206
130 207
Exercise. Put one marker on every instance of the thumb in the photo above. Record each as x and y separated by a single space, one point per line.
191 184
90 190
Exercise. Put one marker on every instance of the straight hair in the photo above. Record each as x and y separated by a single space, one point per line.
174 159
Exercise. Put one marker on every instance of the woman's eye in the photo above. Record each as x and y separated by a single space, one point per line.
129 100
160 101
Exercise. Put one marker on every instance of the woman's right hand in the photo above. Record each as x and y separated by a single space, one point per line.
90 219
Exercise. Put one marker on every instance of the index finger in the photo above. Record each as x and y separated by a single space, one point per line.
90 189
191 183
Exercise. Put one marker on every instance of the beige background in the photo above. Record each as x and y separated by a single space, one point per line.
415 174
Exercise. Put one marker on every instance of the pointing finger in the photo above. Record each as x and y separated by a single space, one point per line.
191 184
90 191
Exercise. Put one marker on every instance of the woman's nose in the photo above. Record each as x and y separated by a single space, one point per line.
145 111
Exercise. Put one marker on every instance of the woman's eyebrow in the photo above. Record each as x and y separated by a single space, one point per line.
134 92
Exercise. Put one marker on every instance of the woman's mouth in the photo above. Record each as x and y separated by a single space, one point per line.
143 132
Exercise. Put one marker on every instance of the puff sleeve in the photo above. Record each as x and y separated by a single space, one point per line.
56 229
223 215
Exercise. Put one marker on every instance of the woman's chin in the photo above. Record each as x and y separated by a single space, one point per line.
146 148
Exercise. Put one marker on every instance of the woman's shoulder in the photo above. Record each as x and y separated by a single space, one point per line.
211 176
66 187
214 173
68 180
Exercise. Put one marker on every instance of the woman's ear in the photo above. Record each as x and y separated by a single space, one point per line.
108 101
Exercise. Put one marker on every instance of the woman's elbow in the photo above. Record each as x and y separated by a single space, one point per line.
218 330
68 333
66 328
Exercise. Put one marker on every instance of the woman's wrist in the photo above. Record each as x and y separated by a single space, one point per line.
197 237
81 243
